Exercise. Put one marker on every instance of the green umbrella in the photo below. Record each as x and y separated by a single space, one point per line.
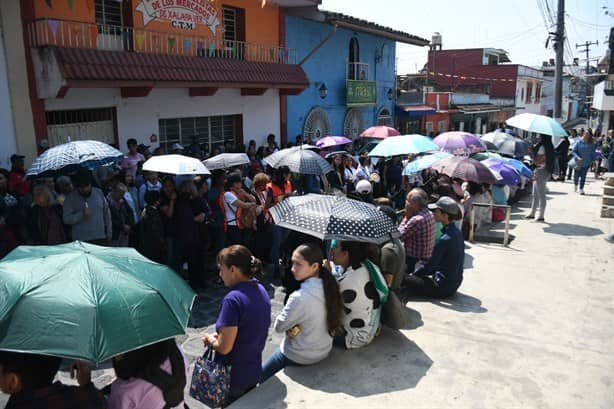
89 302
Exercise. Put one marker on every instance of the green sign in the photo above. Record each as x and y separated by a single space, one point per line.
361 93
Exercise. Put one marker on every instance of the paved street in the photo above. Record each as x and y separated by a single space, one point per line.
529 328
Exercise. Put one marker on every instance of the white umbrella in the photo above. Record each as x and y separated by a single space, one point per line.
538 124
226 160
176 165
299 160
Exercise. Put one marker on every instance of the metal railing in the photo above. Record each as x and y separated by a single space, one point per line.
609 85
358 71
75 34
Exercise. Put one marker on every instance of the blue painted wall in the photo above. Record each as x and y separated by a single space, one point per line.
329 65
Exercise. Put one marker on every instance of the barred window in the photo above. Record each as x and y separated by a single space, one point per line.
212 131
108 12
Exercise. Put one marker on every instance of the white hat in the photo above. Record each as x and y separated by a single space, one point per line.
177 147
363 187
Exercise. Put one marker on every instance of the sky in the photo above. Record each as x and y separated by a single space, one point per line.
517 26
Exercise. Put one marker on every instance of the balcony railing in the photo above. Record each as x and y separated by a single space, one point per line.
358 71
74 34
608 87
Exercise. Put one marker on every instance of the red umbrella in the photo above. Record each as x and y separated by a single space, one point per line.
380 132
466 169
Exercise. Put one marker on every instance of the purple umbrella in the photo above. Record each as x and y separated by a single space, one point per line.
509 175
466 169
330 141
459 143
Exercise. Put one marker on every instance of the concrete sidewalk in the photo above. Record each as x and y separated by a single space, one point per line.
531 328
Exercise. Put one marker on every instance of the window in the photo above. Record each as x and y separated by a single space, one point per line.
233 20
354 72
429 127
353 124
538 93
108 12
522 94
384 117
211 130
441 126
529 92
317 124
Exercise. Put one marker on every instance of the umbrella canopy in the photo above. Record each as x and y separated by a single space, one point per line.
520 167
88 302
226 160
330 141
466 169
404 145
507 144
299 160
72 155
334 217
509 175
176 165
485 155
424 162
379 132
459 143
538 124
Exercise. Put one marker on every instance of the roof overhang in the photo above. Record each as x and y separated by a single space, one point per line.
414 110
478 108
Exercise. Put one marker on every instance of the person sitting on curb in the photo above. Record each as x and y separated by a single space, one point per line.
417 229
28 378
310 317
443 274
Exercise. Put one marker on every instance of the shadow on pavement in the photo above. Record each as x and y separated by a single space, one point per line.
458 302
468 261
568 229
271 394
390 363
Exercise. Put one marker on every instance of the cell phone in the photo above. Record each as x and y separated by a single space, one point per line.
294 331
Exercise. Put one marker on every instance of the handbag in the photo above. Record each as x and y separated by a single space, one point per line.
210 380
378 280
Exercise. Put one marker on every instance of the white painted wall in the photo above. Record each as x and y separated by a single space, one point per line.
138 117
601 101
529 106
7 130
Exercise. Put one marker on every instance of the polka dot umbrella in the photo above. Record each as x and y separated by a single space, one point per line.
334 217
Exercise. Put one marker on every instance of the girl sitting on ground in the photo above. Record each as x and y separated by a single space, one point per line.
310 316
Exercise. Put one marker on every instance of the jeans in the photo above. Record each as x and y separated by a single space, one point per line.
580 175
539 192
274 364
424 287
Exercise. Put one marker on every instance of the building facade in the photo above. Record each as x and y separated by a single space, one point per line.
351 67
161 72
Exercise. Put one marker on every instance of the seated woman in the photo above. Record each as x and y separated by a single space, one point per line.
361 299
443 273
243 323
311 315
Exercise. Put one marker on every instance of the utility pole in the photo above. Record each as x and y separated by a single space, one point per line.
559 48
587 49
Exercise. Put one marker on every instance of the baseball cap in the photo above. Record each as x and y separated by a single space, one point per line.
15 157
363 187
445 204
177 147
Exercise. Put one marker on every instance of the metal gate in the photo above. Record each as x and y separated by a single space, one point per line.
77 125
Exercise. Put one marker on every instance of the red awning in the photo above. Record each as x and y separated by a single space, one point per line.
102 68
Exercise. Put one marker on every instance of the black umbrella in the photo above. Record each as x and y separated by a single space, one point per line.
334 217
507 144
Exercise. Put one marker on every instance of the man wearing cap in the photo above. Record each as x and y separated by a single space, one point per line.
18 185
417 229
364 191
177 149
132 158
443 274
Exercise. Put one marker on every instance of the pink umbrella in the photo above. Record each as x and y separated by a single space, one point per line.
466 169
330 141
380 132
460 143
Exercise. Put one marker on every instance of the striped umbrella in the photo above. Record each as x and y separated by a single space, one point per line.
299 160
72 155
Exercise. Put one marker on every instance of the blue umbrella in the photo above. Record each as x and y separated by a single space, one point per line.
404 145
520 167
69 156
424 162
509 175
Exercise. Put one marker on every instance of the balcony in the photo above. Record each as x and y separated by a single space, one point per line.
358 71
74 34
608 88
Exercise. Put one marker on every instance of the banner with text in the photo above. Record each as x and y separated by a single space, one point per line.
185 14
361 93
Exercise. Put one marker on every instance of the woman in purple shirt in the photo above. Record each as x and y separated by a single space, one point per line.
243 323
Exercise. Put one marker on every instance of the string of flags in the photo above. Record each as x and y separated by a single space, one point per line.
469 77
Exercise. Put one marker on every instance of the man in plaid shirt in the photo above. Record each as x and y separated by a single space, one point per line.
417 229
28 378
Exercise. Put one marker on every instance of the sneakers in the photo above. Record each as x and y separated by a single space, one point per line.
581 191
575 188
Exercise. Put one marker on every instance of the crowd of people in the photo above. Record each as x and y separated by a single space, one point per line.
219 227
